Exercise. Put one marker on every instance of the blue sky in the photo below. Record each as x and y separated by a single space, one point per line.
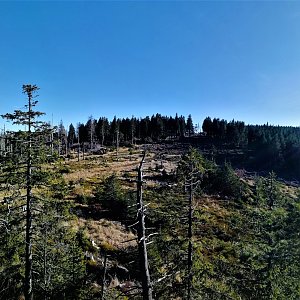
224 59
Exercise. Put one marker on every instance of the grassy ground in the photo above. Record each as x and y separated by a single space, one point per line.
86 174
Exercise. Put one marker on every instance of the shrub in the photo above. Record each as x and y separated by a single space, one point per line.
112 197
82 199
226 182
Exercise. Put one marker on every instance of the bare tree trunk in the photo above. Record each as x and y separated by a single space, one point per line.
103 278
91 139
28 238
59 147
51 141
78 150
45 262
117 144
132 135
91 132
143 256
102 131
190 235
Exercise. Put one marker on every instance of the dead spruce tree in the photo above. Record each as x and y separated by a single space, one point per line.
27 141
142 238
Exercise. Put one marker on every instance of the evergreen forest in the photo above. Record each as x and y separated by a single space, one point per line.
148 208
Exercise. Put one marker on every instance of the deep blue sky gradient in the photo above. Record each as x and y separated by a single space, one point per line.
230 60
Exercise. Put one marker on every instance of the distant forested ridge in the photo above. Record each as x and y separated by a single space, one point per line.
132 129
265 147
262 148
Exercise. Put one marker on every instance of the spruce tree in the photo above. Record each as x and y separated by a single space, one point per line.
71 135
190 125
27 155
28 118
33 215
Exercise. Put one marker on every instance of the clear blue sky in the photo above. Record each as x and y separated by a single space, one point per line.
230 60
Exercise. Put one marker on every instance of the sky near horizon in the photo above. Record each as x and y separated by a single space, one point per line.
233 60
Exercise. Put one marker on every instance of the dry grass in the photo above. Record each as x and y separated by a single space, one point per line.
211 204
290 191
95 168
96 174
107 233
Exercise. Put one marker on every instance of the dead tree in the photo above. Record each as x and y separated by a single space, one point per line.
141 231
190 236
104 275
117 141
78 142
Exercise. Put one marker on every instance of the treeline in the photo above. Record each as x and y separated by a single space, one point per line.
266 147
239 134
127 130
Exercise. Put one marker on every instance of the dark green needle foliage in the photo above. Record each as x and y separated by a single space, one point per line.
244 251
39 255
113 198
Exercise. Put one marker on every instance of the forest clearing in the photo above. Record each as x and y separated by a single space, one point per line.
156 220
212 231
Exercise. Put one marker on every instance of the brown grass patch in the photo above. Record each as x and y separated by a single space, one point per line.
107 233
100 167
